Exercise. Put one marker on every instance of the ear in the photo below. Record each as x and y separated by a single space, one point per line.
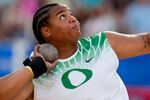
45 32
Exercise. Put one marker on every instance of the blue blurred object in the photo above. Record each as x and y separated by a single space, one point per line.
5 57
136 70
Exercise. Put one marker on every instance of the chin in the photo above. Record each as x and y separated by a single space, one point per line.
74 39
75 35
78 33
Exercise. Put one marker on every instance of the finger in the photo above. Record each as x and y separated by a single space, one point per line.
55 63
36 49
51 65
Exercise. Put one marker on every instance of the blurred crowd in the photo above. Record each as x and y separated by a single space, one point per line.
126 16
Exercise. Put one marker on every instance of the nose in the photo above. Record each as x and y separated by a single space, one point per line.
72 19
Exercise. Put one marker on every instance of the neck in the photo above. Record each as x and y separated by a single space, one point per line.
66 51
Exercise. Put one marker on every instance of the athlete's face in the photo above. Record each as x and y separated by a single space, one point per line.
63 27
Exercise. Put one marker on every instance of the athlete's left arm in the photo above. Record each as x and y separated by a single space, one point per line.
129 45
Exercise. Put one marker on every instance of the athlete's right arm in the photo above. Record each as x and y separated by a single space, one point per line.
18 85
12 84
27 93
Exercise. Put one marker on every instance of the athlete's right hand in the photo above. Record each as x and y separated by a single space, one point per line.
48 64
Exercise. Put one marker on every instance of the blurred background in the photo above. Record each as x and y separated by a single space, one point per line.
125 16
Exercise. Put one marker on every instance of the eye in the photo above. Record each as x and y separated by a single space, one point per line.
62 17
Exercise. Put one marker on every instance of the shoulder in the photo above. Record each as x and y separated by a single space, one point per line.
98 39
95 36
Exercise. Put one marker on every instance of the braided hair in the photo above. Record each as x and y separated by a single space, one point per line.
40 19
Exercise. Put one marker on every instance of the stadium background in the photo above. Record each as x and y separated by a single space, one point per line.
126 16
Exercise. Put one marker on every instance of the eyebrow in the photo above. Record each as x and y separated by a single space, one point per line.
62 11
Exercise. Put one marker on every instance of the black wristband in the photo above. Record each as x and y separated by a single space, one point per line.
38 66
26 62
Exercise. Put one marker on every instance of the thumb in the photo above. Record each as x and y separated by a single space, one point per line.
51 65
55 63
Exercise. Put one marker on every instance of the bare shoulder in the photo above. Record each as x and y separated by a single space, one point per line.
129 45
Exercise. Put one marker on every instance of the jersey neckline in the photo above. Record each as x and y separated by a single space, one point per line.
66 59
